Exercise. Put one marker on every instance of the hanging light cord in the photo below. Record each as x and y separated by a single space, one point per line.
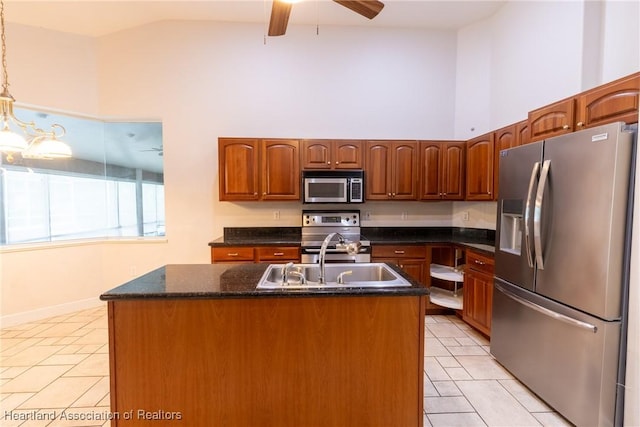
5 73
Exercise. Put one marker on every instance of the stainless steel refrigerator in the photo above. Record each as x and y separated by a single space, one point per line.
561 269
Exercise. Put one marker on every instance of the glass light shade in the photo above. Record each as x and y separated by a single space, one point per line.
11 142
47 148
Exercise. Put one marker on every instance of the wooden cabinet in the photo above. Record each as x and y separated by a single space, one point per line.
522 133
552 120
442 170
480 159
270 254
412 259
391 169
258 169
332 154
505 138
611 102
238 168
478 292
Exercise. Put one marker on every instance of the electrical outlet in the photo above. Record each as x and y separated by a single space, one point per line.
405 215
367 216
465 216
276 214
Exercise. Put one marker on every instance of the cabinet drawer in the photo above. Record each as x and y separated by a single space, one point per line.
277 253
410 251
231 253
478 262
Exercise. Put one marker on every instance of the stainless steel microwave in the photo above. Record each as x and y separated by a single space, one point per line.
345 186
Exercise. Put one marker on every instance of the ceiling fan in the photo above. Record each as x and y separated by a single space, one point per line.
281 10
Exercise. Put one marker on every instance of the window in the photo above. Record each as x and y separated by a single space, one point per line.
112 187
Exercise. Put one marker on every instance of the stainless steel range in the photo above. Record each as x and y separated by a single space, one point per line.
318 224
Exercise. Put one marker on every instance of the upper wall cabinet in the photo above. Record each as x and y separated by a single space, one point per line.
391 170
442 170
259 169
480 158
612 102
332 154
507 137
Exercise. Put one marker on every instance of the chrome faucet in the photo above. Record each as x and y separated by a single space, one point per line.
287 272
351 247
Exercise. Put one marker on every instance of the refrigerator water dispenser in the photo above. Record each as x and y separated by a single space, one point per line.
511 225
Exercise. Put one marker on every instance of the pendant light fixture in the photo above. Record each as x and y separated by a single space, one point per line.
38 143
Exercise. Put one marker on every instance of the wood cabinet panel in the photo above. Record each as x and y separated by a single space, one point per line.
348 154
480 158
612 102
278 254
232 254
522 133
391 170
332 154
552 120
505 138
441 166
238 161
281 170
478 292
316 154
252 169
269 362
399 251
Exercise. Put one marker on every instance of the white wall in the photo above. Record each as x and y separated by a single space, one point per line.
208 80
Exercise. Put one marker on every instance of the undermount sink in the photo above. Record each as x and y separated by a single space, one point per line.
339 275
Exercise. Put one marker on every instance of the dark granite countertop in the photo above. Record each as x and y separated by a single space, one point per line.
229 280
478 239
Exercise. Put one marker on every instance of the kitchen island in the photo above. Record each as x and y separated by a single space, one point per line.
199 345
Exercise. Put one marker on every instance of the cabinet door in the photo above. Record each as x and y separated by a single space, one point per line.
280 170
378 170
453 171
552 120
522 133
615 101
238 162
347 154
504 138
316 154
414 268
480 167
430 170
478 295
404 171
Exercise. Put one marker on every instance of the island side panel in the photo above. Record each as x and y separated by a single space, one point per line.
331 361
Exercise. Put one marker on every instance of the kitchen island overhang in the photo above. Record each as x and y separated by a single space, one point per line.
198 345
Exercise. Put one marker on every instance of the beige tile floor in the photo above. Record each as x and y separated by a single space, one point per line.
55 372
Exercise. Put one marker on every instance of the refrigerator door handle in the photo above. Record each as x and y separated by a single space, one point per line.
546 311
527 213
537 214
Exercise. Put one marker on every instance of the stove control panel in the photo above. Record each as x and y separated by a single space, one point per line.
331 218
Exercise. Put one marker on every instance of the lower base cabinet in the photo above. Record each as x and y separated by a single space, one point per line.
478 292
271 254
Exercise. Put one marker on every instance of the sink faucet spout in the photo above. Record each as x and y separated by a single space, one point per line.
351 247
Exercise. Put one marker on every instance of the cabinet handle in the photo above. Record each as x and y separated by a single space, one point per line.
389 194
233 254
328 163
565 127
477 261
278 253
398 252
393 194
401 266
579 124
255 194
264 194
337 163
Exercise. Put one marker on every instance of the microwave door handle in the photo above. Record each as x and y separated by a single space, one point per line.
527 213
537 214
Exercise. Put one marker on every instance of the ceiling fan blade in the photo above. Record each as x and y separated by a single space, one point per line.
367 8
280 11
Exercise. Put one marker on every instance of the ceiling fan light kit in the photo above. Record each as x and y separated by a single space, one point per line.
281 10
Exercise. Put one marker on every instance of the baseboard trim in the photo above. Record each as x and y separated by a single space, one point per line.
50 311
